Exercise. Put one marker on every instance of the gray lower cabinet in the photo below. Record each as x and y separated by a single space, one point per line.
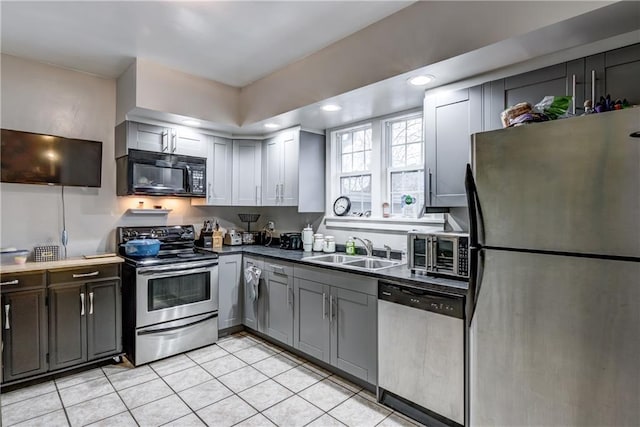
230 293
449 120
84 315
24 326
354 333
336 319
253 314
279 301
312 326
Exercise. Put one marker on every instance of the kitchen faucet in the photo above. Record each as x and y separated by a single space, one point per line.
368 245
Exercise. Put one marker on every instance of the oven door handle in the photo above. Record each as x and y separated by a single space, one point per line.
174 328
182 268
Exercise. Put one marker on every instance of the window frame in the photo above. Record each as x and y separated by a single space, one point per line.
387 147
337 145
380 179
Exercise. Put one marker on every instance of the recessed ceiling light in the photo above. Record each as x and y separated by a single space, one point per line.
190 122
271 125
421 80
331 107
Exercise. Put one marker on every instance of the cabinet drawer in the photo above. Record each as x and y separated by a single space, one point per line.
278 267
84 274
21 281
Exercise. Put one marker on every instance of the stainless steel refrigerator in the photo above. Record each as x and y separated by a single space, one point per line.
553 312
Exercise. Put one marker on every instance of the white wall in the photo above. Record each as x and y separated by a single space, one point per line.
45 99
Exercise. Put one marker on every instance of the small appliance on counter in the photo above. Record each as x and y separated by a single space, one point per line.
233 238
291 241
438 253
206 236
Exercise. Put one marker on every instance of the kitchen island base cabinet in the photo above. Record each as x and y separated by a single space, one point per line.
335 320
24 332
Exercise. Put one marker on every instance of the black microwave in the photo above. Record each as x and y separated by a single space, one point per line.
156 174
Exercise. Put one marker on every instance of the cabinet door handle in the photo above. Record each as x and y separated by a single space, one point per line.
330 308
90 302
257 189
81 303
291 298
278 269
165 140
174 138
209 192
277 193
430 190
92 274
593 89
7 307
573 93
324 305
10 282
282 193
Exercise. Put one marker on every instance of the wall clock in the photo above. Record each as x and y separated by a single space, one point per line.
341 206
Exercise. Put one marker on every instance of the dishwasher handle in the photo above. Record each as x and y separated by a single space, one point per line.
422 299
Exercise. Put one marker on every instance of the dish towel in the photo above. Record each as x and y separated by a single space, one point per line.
252 278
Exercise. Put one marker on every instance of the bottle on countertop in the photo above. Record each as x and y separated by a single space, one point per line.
350 246
307 238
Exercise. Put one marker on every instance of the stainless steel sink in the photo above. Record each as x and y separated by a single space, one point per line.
372 263
333 258
353 262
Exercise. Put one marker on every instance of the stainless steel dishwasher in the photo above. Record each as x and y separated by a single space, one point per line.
421 353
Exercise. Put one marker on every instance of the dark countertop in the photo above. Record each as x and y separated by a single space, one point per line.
400 274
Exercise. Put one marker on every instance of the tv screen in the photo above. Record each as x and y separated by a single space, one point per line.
32 158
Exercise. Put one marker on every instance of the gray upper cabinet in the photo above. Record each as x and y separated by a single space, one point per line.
24 326
279 301
159 139
84 315
219 173
335 319
284 181
253 315
449 120
616 73
566 79
230 290
247 173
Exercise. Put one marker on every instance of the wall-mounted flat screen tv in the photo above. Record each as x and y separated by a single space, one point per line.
32 158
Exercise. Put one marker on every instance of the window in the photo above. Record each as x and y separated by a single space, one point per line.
405 165
354 153
377 161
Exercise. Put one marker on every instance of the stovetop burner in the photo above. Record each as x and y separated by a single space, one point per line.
177 244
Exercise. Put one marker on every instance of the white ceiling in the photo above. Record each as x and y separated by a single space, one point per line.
239 42
232 42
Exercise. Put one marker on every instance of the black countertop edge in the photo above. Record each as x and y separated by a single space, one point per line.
400 274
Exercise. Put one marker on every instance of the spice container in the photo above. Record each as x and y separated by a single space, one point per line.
329 244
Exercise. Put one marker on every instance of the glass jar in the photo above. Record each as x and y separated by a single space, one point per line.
329 244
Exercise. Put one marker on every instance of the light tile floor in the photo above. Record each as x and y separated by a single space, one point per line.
241 380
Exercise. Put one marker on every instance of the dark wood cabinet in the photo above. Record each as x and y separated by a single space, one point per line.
24 325
84 315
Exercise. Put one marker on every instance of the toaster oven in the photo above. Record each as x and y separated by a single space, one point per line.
439 253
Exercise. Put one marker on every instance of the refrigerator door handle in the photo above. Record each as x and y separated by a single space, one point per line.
476 271
476 226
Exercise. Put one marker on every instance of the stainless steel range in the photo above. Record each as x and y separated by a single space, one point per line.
170 301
